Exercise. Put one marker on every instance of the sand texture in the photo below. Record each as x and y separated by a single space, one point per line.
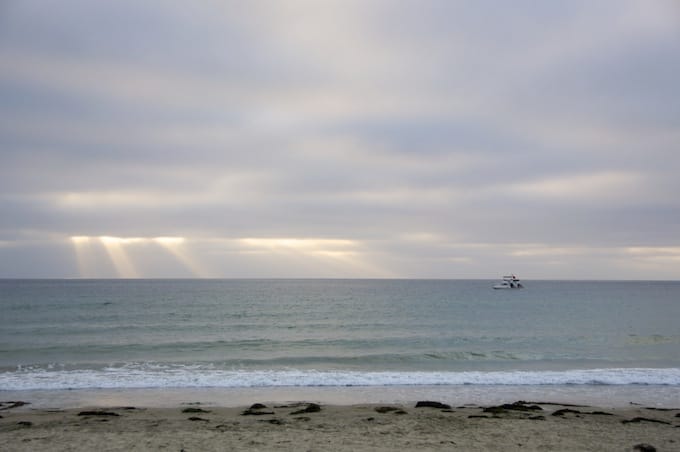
525 426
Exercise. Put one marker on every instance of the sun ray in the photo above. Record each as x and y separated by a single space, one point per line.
353 261
303 256
337 256
84 256
175 246
119 257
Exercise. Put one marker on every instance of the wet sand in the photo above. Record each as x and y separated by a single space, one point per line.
303 426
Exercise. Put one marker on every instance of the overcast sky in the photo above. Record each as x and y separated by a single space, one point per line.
320 138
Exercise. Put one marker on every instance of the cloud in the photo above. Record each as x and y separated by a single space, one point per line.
409 139
608 186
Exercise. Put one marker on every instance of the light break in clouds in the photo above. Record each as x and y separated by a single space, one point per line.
306 138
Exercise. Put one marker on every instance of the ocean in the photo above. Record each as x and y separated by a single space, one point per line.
246 335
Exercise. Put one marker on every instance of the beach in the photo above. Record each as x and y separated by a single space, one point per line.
193 426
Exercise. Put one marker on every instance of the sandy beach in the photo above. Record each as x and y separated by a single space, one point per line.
308 426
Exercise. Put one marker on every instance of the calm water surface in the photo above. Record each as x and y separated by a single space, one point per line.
59 334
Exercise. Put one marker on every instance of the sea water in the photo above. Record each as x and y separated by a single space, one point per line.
122 335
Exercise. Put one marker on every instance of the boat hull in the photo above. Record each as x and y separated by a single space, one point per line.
509 282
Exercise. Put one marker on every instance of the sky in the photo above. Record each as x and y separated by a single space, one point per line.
340 139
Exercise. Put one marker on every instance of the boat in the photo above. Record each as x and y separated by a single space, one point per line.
509 282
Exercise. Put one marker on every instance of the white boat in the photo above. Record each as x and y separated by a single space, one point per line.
509 282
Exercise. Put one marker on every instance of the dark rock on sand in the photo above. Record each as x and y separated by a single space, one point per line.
494 410
522 406
311 408
644 419
195 418
98 413
644 447
250 412
516 406
389 409
430 404
12 404
25 423
385 409
256 410
194 410
564 411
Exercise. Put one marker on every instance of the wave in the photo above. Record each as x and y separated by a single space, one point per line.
154 375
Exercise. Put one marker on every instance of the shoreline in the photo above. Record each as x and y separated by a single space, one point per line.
193 426
607 396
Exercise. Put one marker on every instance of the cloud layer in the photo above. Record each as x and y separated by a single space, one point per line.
339 139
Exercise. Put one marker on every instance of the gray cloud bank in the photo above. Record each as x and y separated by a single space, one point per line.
340 139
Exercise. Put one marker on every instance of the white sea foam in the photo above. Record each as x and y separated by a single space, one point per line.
177 376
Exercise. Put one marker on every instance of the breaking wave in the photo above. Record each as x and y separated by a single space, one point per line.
153 375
